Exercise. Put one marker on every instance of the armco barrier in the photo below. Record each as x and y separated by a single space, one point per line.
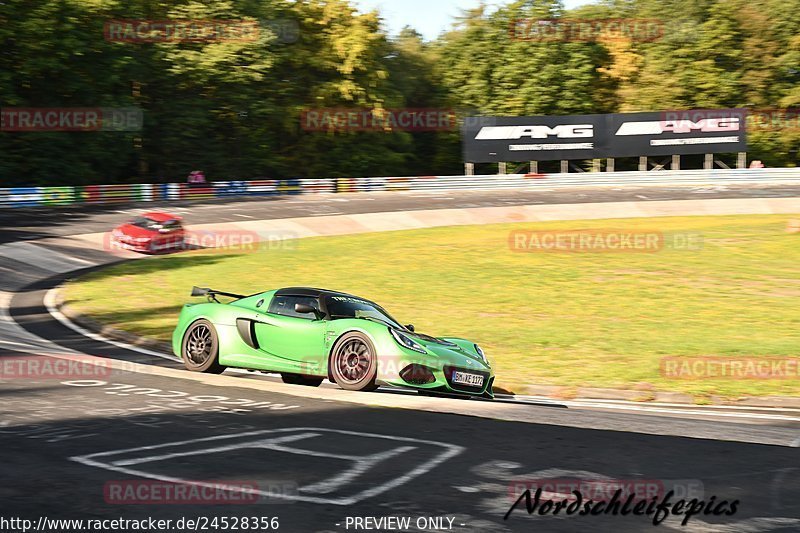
122 193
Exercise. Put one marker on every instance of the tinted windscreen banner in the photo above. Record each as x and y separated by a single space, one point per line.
540 138
700 131
548 138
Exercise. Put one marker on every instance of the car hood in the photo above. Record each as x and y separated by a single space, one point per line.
444 346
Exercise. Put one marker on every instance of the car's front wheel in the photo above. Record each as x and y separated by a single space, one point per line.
200 348
353 363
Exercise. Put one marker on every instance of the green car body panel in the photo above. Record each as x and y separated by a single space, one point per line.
251 337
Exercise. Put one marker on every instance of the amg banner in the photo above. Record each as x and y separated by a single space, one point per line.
544 138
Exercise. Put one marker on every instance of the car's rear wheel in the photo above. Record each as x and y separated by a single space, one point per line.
200 348
297 379
353 363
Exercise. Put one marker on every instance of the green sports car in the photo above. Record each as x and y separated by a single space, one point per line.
308 335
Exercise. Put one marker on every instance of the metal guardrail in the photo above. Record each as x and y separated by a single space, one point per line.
127 193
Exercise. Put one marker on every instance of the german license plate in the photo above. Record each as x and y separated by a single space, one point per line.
463 378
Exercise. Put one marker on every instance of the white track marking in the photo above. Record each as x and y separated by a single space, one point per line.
11 343
49 303
15 336
5 299
266 443
648 409
623 404
448 451
668 404
362 465
41 257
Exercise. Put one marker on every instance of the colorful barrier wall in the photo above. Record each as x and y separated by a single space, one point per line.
16 197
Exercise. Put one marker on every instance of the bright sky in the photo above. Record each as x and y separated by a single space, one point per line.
429 17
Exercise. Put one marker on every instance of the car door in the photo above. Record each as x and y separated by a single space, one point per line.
285 334
170 235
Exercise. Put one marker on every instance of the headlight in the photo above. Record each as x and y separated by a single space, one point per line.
480 352
407 342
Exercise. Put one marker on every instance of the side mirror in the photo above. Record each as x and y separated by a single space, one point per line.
305 309
410 327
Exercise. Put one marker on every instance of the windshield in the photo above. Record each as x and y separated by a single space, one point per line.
149 223
350 307
146 223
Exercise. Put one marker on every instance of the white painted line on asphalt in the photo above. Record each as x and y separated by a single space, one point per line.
14 331
11 343
49 303
647 409
265 443
666 404
5 299
687 409
243 216
43 258
360 464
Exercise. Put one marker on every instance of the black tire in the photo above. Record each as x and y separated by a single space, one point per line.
200 348
297 379
353 363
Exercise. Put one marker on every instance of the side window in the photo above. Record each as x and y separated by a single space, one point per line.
172 225
284 305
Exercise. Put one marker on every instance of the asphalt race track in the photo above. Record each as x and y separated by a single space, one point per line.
22 224
325 459
55 424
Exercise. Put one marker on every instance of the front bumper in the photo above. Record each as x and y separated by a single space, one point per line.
129 244
438 376
148 246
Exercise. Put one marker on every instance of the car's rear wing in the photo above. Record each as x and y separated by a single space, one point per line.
200 291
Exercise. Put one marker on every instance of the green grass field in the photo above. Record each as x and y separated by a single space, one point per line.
572 319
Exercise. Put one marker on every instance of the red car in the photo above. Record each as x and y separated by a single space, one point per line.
151 233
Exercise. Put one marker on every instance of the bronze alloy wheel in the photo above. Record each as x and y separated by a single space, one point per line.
353 363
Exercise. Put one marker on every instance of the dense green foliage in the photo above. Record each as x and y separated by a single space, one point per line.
233 108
